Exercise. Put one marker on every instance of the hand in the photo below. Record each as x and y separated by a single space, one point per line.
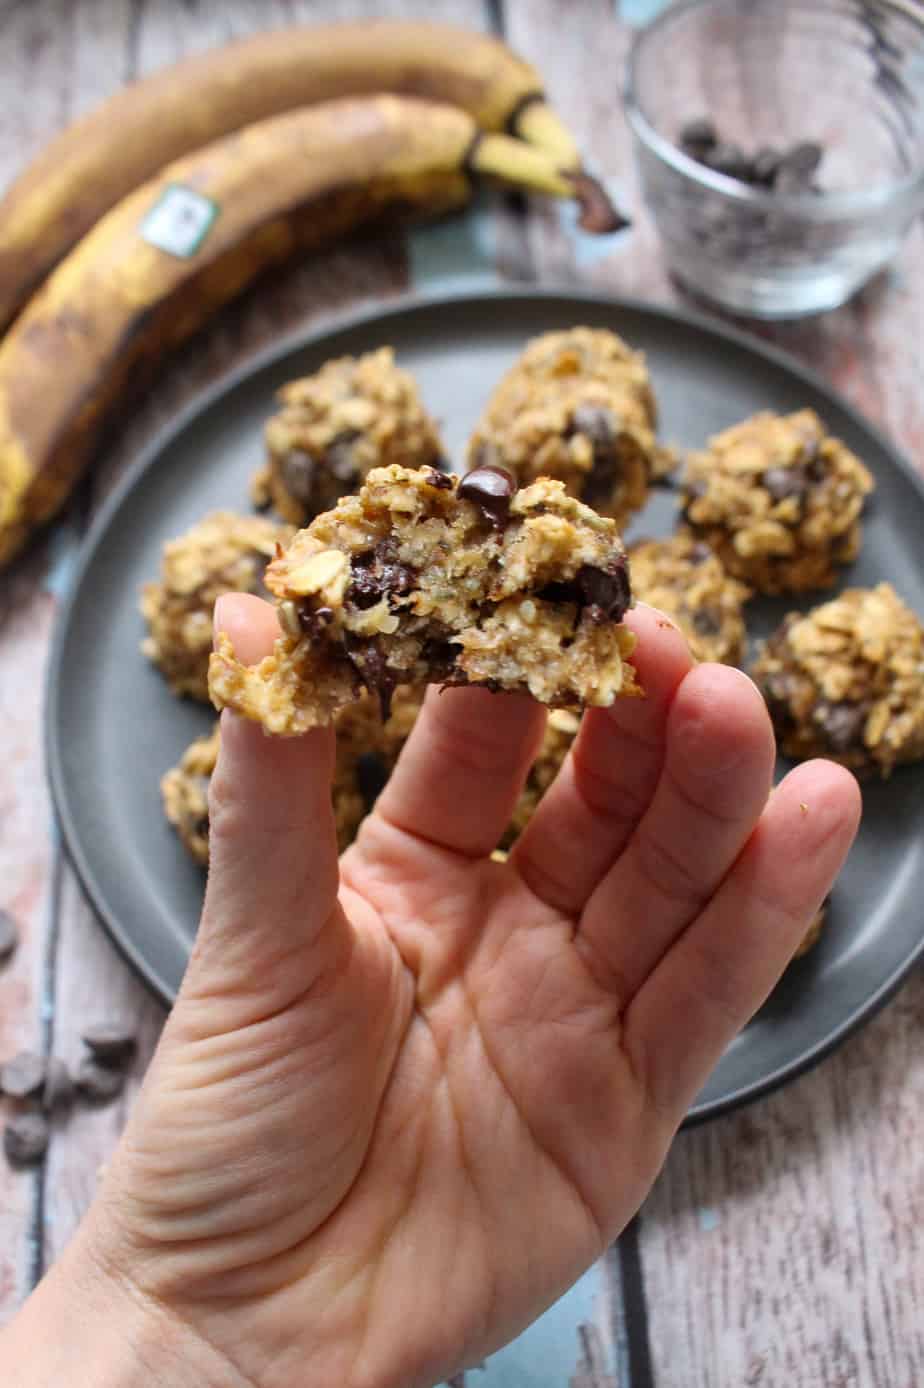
386 1127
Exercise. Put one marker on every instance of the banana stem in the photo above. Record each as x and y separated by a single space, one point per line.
512 161
538 124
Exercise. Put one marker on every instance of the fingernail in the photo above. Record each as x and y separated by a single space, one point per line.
218 622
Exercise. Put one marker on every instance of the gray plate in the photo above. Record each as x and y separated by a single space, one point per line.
113 728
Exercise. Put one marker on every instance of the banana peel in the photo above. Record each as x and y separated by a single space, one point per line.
114 149
155 268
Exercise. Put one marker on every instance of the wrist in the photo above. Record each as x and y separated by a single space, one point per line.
89 1326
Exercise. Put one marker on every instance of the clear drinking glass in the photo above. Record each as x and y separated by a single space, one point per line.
847 74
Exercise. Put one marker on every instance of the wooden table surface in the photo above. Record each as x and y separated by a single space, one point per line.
782 1245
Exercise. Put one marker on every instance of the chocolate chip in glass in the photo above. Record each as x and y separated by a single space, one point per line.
697 136
25 1139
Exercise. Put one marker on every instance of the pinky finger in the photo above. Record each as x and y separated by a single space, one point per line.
724 965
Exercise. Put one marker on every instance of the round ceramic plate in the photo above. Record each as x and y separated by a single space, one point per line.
113 727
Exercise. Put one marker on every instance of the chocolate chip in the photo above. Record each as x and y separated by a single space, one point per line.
765 165
379 573
596 422
298 474
801 161
9 935
491 488
23 1076
707 621
110 1043
438 477
372 668
371 778
699 553
697 136
841 724
783 482
607 589
340 457
25 1139
728 159
58 1089
603 593
98 1083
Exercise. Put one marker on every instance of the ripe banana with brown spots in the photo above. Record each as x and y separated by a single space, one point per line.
101 158
157 265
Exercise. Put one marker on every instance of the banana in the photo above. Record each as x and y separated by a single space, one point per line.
103 157
170 253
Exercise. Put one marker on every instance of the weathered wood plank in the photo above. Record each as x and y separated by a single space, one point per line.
138 38
781 1245
26 860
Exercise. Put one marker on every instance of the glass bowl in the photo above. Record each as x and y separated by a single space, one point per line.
843 76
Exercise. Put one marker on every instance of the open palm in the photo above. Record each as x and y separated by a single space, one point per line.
398 1108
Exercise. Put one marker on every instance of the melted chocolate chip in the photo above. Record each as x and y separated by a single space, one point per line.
298 473
783 482
607 589
437 476
699 553
491 488
603 594
372 668
728 159
371 778
841 724
379 573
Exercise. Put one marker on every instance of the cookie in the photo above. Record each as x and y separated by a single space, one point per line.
222 553
355 414
684 579
577 406
779 500
846 681
421 577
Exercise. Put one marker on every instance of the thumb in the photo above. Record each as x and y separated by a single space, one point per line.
270 917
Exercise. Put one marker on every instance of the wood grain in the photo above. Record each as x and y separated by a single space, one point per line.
781 1246
57 59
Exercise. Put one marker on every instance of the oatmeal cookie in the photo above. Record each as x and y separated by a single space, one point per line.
846 681
185 794
779 500
578 406
222 553
367 750
684 579
355 414
423 578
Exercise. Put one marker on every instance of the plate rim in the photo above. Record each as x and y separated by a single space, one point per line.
404 306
